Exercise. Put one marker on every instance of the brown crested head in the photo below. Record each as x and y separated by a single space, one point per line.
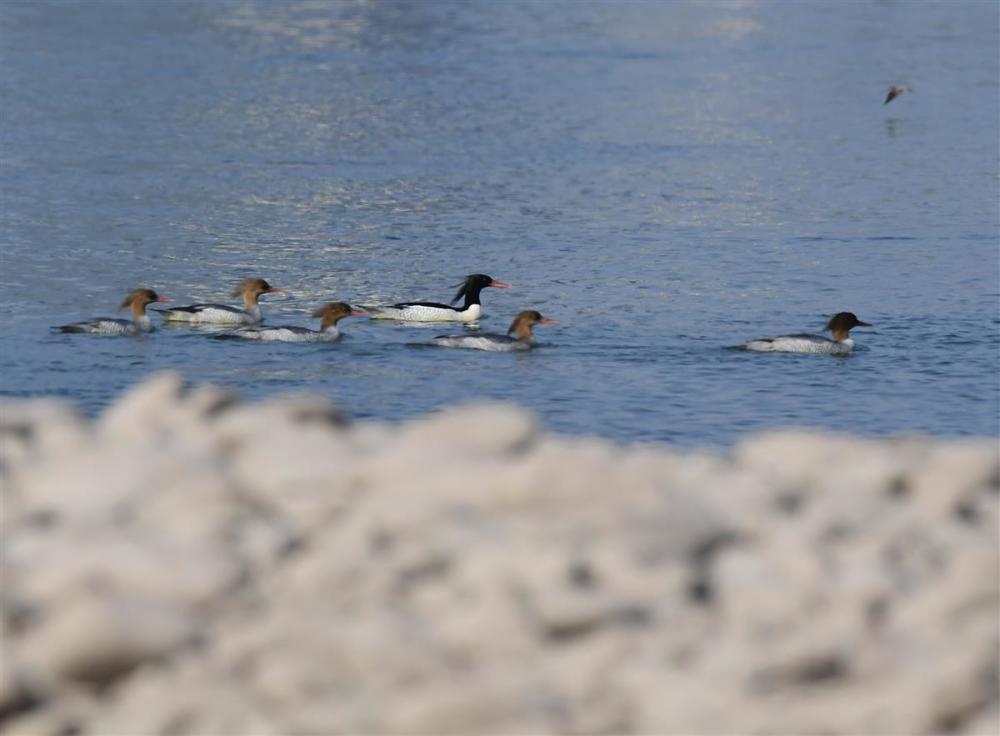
137 299
250 289
523 322
841 323
332 312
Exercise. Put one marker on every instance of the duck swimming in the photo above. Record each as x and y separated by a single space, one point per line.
839 327
518 337
470 311
250 289
329 314
136 300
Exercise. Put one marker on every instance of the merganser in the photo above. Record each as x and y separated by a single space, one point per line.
222 314
520 327
435 312
895 91
137 299
330 314
839 326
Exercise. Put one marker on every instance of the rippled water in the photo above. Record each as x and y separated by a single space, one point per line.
666 179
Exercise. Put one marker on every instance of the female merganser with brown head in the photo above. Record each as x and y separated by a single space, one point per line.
436 312
520 328
330 314
222 314
136 300
839 326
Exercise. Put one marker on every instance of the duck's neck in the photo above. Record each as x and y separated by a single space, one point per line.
839 334
250 301
138 311
472 296
329 324
522 331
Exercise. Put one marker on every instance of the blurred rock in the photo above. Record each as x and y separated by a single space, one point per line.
190 564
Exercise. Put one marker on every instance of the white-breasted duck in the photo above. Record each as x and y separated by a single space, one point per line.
839 326
470 311
136 300
250 290
518 337
329 314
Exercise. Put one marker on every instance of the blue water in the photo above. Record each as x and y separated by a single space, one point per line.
666 179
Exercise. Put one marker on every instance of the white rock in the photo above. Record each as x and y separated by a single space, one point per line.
97 638
38 429
477 429
184 700
51 575
161 412
465 573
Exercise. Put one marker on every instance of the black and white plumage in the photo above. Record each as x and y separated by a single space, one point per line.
329 314
470 311
518 337
136 300
250 290
839 326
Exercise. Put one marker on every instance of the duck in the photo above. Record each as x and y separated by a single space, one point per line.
895 91
471 310
839 327
251 289
136 300
329 314
518 337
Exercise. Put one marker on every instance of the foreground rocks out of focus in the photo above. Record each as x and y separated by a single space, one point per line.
190 564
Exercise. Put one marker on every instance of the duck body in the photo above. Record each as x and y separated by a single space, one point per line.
801 344
839 326
250 290
214 314
286 333
136 300
470 311
518 338
490 342
110 326
426 312
330 314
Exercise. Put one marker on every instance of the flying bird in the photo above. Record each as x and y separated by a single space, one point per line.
895 91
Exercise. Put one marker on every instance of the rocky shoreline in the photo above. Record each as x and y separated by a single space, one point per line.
190 564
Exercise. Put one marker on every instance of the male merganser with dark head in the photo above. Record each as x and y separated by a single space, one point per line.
136 300
839 326
435 312
520 328
330 314
895 91
222 314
